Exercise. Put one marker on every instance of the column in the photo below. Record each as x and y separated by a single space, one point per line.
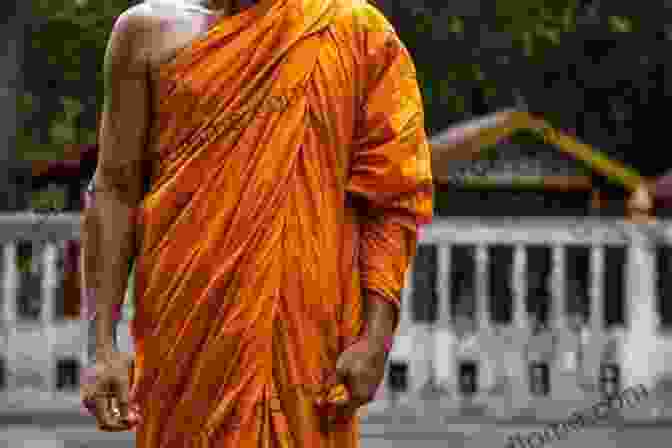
596 291
48 258
592 338
558 289
516 363
443 284
519 287
486 373
481 287
446 369
640 365
10 285
50 280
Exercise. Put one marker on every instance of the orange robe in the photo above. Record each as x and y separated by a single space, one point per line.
291 173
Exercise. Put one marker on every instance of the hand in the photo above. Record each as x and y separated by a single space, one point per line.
106 393
359 372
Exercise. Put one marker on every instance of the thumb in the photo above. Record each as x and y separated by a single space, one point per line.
122 386
332 388
337 393
337 385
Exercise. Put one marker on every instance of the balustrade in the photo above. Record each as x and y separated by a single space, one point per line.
499 348
577 354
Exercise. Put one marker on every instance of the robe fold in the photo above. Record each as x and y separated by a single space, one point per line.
290 174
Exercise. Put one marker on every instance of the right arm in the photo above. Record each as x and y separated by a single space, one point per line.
108 225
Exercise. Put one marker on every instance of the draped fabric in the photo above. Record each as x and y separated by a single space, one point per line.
290 174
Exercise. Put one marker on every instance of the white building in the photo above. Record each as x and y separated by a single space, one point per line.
41 349
467 340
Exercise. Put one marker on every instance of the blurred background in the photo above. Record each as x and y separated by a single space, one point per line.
537 290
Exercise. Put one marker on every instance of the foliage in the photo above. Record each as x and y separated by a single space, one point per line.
467 64
63 73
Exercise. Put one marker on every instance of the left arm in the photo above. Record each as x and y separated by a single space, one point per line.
391 182
385 253
391 174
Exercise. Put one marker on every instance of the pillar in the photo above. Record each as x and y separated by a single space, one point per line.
519 288
515 359
592 338
640 363
10 287
486 374
481 288
49 258
558 289
444 355
10 283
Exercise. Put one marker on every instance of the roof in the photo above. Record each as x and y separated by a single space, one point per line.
463 143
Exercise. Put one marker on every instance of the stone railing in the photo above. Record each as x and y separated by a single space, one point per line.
33 346
576 352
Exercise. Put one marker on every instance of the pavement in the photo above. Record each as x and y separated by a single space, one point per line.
404 426
373 436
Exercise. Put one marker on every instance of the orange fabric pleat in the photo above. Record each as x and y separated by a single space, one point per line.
248 281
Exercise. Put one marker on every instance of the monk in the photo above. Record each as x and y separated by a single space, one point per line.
288 171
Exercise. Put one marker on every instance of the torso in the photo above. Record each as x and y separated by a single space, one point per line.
173 25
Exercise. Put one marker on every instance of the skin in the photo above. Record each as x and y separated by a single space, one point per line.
108 224
140 42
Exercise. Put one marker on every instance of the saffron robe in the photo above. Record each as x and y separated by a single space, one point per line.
291 172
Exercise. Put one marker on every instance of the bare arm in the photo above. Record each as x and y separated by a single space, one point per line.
109 222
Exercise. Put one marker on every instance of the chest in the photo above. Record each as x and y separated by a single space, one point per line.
170 35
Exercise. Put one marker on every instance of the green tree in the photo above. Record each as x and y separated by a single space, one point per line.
468 63
492 57
63 73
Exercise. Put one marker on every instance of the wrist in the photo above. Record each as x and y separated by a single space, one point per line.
382 342
105 337
381 316
378 341
105 352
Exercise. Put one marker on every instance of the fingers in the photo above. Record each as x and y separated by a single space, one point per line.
341 404
122 401
335 394
361 379
345 413
125 409
333 380
357 377
107 414
109 405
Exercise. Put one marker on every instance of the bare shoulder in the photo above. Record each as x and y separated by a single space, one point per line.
136 19
129 33
152 16
141 29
